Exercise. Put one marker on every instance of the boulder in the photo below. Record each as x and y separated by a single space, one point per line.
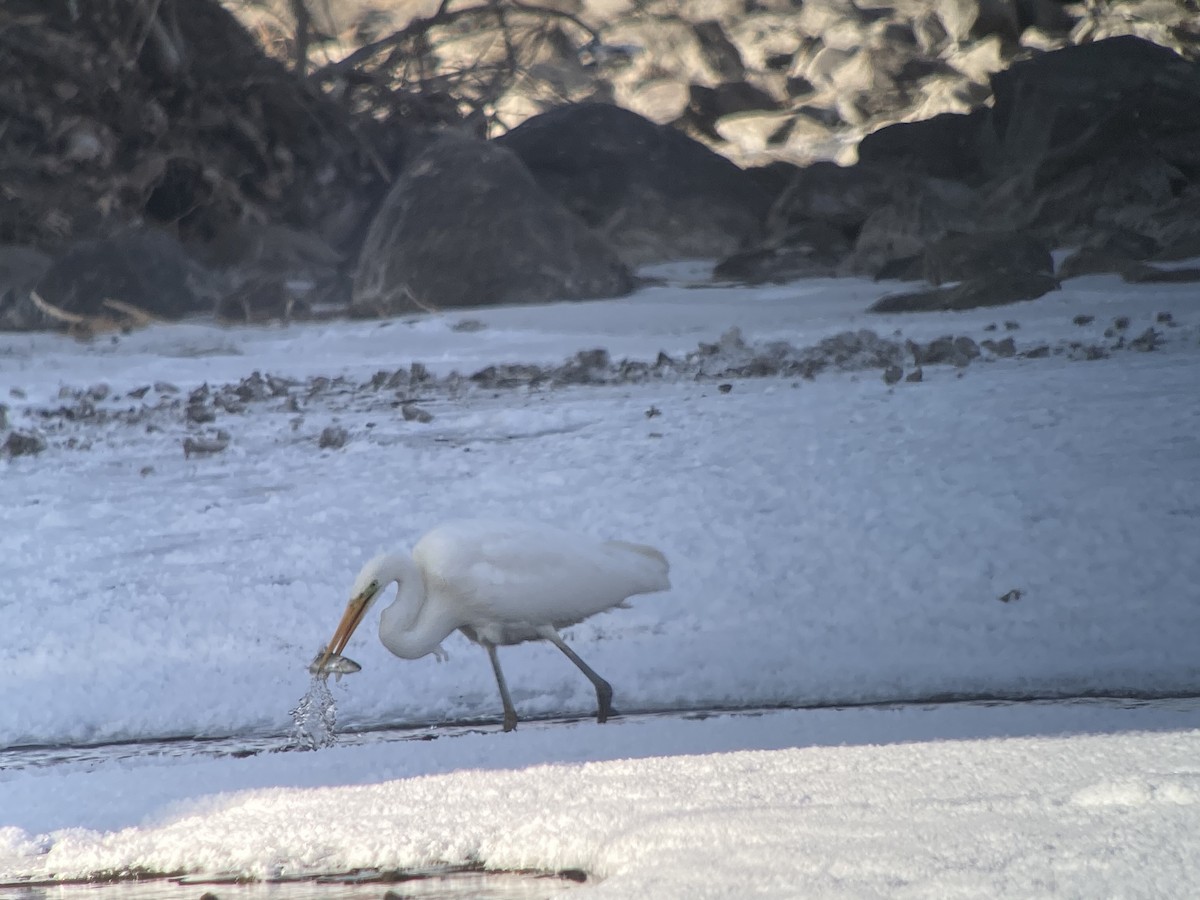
966 19
654 193
1093 136
20 269
466 225
997 290
143 269
918 212
839 195
946 146
809 249
1059 108
960 257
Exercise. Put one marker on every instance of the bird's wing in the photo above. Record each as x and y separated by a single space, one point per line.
512 572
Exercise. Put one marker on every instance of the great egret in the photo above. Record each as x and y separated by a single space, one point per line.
499 583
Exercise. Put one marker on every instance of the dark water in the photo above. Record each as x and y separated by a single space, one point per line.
434 884
246 744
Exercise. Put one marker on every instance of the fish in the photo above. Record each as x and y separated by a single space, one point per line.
336 665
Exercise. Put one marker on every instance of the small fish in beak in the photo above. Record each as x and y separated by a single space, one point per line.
326 664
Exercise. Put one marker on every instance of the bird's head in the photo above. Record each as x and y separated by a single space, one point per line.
368 585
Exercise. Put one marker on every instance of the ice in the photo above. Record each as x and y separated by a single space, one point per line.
1015 528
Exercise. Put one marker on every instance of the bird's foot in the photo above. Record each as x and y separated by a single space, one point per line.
439 654
603 702
510 722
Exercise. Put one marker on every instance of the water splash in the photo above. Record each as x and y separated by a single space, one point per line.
315 717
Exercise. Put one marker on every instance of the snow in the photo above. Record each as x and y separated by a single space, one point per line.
833 541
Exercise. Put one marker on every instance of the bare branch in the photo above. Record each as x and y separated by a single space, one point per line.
442 15
303 33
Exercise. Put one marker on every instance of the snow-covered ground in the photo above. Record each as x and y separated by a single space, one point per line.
832 540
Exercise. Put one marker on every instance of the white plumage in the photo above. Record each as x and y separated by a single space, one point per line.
500 582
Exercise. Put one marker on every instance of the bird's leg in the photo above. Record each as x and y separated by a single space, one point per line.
603 688
510 714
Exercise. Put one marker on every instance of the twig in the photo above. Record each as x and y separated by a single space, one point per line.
441 16
54 312
303 20
139 316
151 11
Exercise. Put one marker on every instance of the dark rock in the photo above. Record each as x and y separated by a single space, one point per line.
586 367
1091 352
1006 347
1103 136
332 436
145 269
206 444
808 249
262 299
1123 243
655 193
1146 341
915 375
811 224
1045 15
966 348
1091 262
945 146
798 86
20 269
708 104
24 443
1109 83
1137 273
256 388
967 19
920 211
948 350
957 257
509 376
1087 133
1176 228
720 53
413 413
902 268
465 199
892 374
992 291
774 177
1083 320
200 414
842 196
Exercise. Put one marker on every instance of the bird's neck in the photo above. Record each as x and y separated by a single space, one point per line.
412 627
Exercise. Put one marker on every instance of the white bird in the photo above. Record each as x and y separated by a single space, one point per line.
499 583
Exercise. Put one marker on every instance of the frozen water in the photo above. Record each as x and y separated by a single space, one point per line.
1021 526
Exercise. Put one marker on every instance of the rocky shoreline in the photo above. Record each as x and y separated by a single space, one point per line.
205 419
954 144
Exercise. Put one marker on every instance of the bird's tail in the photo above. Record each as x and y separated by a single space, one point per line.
661 567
